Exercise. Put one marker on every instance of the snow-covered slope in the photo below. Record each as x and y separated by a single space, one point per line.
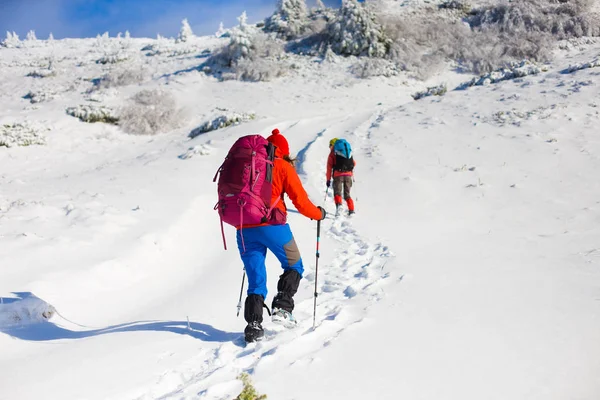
470 270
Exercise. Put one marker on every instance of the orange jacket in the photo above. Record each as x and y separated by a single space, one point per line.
286 181
331 164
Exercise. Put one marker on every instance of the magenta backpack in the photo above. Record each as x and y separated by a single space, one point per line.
244 185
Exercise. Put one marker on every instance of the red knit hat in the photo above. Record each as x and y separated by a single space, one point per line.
279 141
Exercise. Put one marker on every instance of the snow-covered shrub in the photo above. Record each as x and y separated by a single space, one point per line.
44 72
562 19
421 44
356 31
439 90
462 6
150 112
121 77
248 391
31 36
50 38
517 70
250 55
222 32
89 113
578 67
26 310
21 134
113 58
369 67
39 96
224 120
11 41
200 150
289 19
165 47
185 34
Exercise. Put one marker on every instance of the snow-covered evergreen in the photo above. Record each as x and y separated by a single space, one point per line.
31 36
186 33
11 41
222 32
289 19
356 31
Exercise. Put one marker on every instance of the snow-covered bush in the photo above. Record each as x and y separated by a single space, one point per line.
578 67
113 58
39 96
185 34
28 309
250 55
89 113
44 72
227 118
562 19
369 67
289 19
439 90
517 70
421 44
121 77
150 112
356 31
462 6
21 134
200 150
11 41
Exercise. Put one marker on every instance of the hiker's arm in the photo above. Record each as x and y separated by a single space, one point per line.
330 161
295 191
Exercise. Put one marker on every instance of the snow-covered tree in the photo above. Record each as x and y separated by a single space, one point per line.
356 31
185 33
12 40
127 35
31 36
222 32
289 19
51 37
240 43
320 5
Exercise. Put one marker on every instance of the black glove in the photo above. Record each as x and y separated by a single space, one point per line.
323 212
328 183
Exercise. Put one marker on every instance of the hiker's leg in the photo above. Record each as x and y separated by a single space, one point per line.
253 253
281 242
338 185
347 189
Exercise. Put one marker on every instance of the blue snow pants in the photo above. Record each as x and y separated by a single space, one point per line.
278 239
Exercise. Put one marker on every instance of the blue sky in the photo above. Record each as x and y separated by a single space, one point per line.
142 18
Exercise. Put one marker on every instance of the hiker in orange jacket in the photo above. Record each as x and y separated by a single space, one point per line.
342 170
276 235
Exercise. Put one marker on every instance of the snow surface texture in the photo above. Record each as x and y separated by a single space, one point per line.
469 272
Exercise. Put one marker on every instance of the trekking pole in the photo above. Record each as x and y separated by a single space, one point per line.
326 193
239 306
317 271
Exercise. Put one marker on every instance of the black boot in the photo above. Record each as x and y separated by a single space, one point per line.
253 309
286 289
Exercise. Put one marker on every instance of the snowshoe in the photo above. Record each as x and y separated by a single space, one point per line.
254 332
284 318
